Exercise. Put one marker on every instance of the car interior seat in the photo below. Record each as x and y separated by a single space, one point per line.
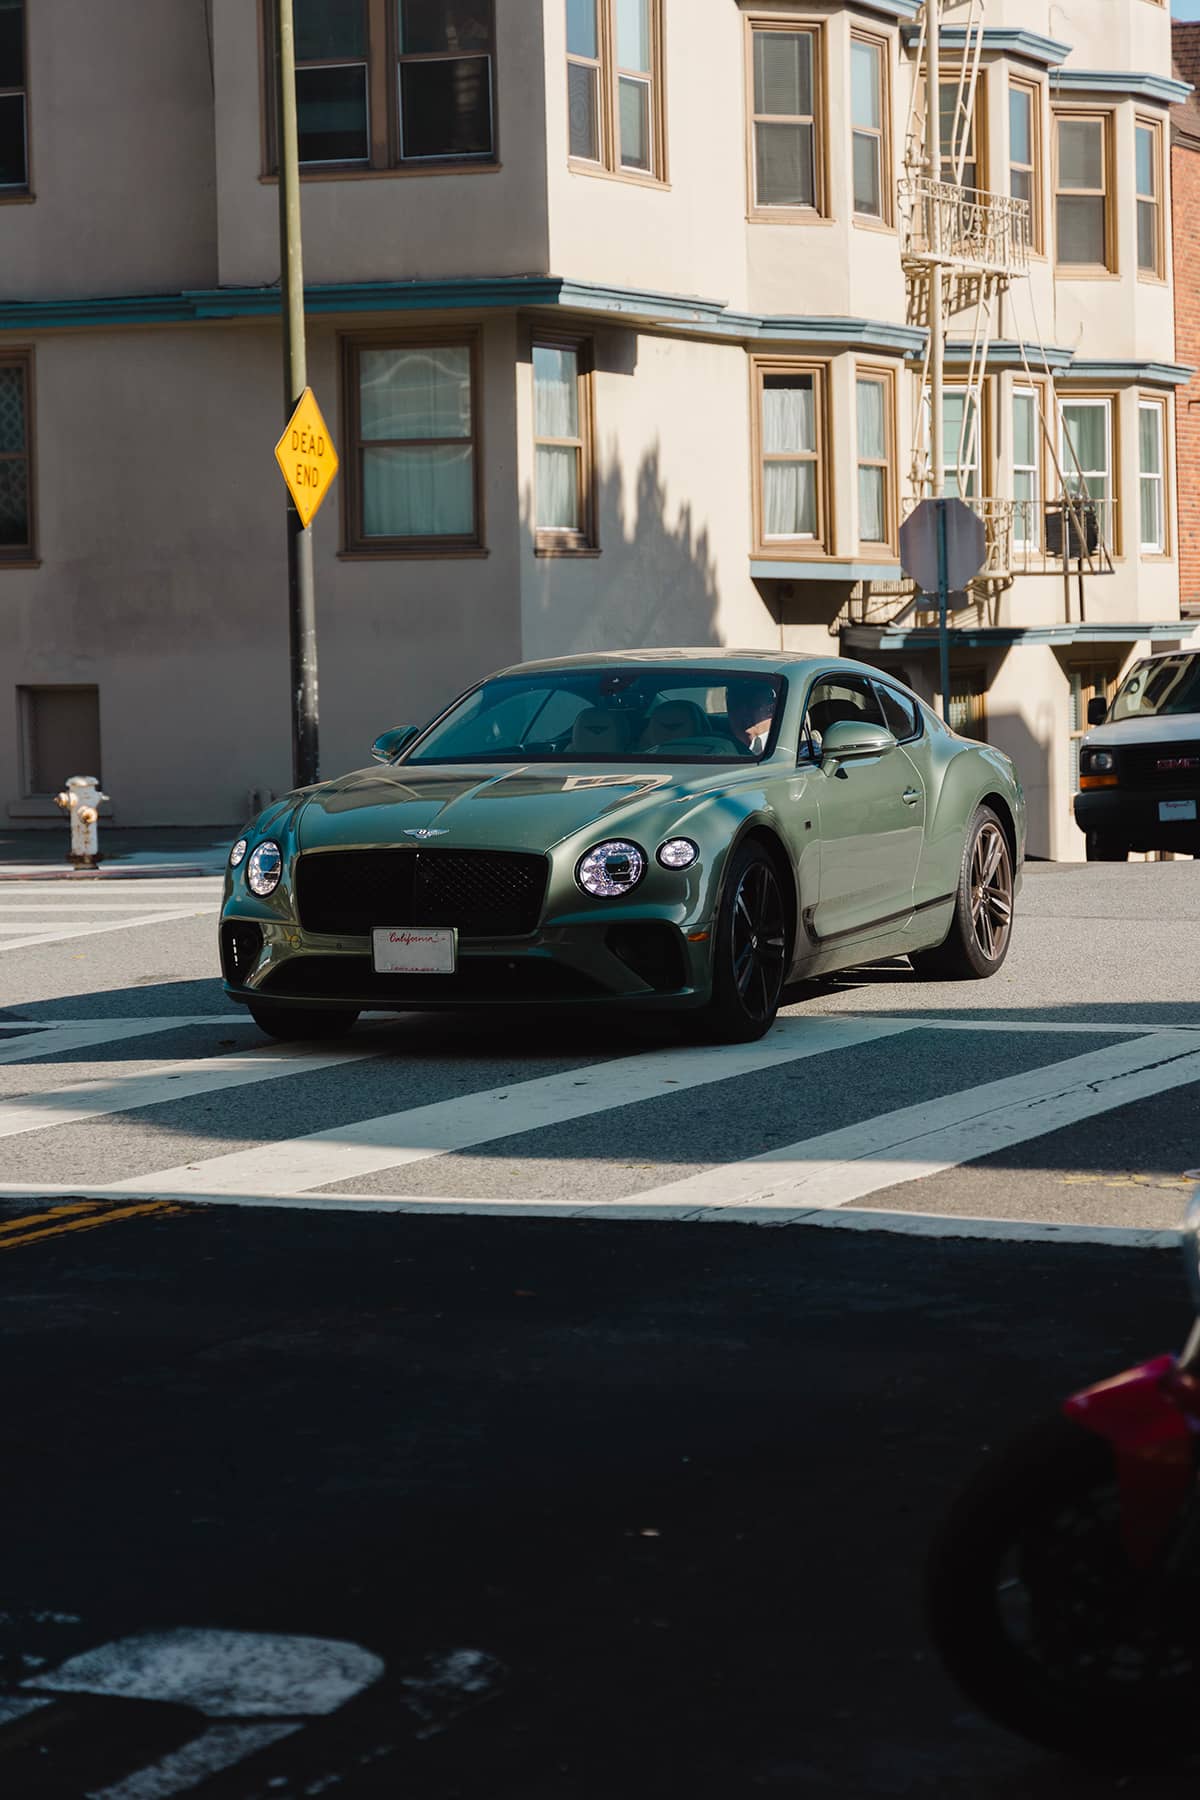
601 732
671 720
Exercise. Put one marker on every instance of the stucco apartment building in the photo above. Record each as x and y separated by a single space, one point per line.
613 311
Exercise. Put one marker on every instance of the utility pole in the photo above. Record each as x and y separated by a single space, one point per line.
302 609
937 338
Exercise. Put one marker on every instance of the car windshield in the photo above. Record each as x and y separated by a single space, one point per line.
610 715
1158 687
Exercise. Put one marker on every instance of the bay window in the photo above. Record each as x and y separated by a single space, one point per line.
790 485
615 86
784 108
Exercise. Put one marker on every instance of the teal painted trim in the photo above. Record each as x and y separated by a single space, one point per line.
1140 85
693 315
1006 353
894 9
1154 374
867 637
825 571
1004 40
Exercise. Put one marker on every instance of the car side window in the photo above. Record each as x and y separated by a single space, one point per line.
836 697
901 714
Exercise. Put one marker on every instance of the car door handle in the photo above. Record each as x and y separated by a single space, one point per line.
910 796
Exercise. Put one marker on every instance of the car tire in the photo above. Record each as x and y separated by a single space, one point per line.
292 1022
750 950
981 931
1101 848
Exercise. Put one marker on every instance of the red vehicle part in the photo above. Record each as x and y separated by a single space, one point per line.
1151 1417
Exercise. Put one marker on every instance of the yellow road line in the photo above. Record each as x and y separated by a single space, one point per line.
51 1212
38 1231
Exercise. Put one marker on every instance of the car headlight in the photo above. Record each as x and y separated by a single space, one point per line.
678 853
611 868
238 852
264 868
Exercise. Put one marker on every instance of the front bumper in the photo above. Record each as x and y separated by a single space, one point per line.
1131 816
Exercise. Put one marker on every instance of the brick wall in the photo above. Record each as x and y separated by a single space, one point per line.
1185 178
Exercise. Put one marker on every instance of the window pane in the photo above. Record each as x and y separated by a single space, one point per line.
446 107
1145 161
633 35
1152 531
1021 186
1020 126
790 499
868 184
1150 440
433 25
1024 430
331 111
418 393
633 101
1085 433
784 165
789 419
583 111
328 30
865 85
1147 225
872 528
1080 153
557 485
556 392
954 130
581 28
870 421
422 492
1026 522
783 73
1081 233
12 409
14 503
899 711
12 43
12 141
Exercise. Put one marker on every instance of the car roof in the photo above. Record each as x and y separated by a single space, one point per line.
765 662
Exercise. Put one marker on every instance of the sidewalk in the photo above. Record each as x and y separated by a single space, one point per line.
158 852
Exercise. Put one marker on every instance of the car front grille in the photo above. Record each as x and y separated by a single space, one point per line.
485 893
1160 765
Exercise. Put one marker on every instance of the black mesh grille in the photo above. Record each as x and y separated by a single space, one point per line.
485 893
477 978
1160 765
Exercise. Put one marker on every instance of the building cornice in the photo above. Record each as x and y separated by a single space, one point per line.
894 9
688 314
1153 374
1130 83
886 637
1001 40
1009 353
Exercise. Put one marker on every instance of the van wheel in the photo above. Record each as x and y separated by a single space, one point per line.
1101 848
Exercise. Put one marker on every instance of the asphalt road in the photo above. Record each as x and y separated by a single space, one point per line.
583 1478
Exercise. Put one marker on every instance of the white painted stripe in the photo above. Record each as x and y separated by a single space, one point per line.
58 937
349 1151
12 1708
916 1141
64 1036
167 1081
64 910
220 1747
1039 1027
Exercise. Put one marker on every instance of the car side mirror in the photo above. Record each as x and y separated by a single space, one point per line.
389 744
848 739
1097 711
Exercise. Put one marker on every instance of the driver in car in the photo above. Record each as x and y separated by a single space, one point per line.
751 709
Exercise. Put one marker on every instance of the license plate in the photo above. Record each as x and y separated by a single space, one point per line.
1177 809
414 950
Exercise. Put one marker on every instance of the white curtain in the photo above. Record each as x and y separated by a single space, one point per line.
556 392
557 488
872 528
427 491
418 393
790 499
788 414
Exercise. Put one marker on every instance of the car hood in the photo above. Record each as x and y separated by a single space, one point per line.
1169 728
510 808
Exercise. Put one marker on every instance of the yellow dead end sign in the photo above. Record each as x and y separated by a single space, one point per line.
307 457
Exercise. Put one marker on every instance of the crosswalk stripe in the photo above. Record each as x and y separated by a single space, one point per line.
348 1151
842 1166
65 1036
58 937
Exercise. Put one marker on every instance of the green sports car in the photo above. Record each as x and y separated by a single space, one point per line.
684 830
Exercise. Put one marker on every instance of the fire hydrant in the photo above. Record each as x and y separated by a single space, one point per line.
82 799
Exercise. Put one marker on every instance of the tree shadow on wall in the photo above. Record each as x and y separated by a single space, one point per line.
651 582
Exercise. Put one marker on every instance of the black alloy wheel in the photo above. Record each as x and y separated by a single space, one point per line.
981 929
750 950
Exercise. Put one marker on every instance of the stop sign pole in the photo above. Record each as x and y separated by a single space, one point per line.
943 546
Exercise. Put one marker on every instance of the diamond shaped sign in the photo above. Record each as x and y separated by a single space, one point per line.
307 457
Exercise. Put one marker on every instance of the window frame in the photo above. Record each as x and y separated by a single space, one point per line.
1106 119
965 679
19 192
1033 92
763 212
24 555
1162 550
608 163
383 64
805 750
793 549
1035 391
355 543
1142 122
984 465
1111 400
550 540
885 219
883 375
882 686
951 76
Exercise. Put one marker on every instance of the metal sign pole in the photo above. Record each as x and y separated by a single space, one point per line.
302 610
943 574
